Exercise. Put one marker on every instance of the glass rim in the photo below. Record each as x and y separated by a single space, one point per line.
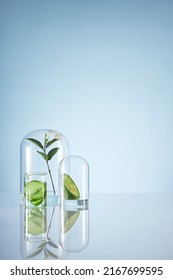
35 173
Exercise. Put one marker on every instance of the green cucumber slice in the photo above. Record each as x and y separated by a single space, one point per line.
71 191
35 191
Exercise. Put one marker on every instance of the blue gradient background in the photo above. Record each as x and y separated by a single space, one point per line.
101 73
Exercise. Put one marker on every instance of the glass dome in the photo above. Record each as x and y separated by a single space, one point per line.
40 154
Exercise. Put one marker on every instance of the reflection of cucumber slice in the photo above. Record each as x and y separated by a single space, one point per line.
35 191
71 190
70 218
35 222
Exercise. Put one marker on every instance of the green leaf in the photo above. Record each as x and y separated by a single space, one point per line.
36 142
52 152
43 155
35 253
51 142
52 244
42 245
51 254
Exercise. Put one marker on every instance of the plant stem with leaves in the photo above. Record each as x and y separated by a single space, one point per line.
46 156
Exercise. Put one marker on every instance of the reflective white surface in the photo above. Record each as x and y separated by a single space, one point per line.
122 226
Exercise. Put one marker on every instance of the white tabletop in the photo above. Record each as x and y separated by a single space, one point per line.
121 226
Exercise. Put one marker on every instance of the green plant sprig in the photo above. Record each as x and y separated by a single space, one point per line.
46 156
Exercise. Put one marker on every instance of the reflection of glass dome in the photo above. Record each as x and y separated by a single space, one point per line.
40 153
73 228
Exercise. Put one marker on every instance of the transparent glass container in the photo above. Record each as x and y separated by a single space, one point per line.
74 196
41 152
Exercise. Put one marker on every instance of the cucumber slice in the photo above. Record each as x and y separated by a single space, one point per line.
35 191
36 202
70 189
